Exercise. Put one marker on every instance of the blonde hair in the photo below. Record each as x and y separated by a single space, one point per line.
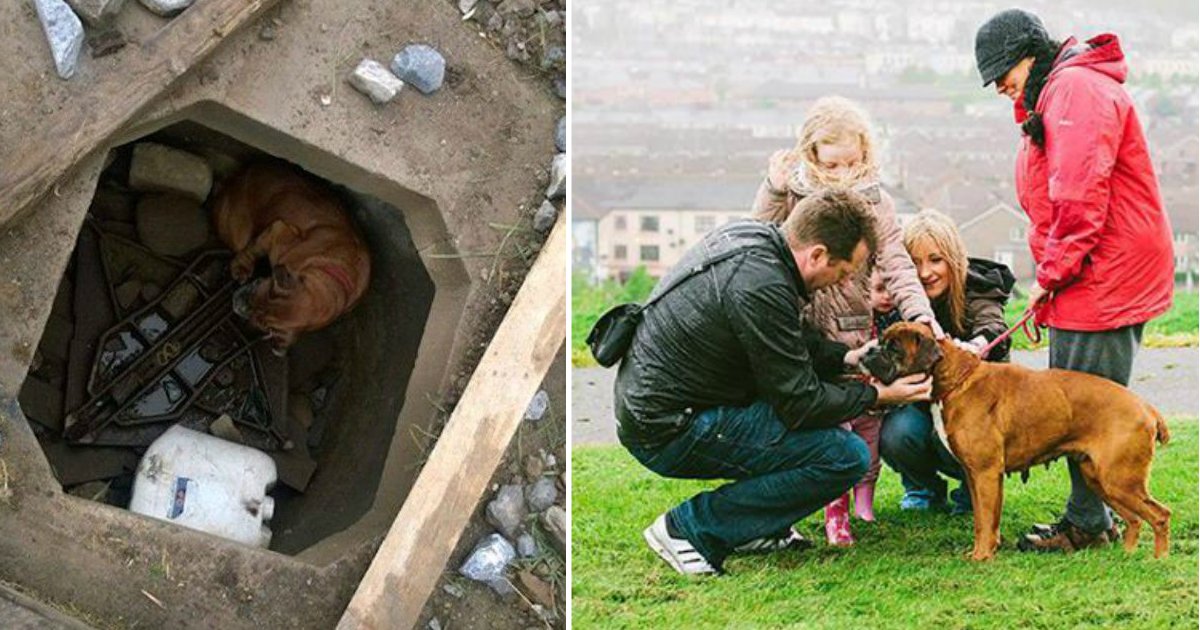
831 120
938 230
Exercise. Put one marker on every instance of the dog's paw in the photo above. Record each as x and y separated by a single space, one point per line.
981 556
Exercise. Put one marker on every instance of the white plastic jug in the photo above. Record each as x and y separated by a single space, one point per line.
206 483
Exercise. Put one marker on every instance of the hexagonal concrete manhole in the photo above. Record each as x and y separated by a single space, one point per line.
334 405
429 178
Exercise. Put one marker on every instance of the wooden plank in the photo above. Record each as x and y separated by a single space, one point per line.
414 553
29 169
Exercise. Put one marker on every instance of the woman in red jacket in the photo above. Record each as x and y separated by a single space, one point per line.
1098 231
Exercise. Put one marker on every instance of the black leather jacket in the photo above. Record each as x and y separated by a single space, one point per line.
732 335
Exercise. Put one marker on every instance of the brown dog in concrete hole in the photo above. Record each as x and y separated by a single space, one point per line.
1001 417
319 263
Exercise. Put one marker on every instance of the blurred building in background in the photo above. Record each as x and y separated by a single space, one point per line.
678 105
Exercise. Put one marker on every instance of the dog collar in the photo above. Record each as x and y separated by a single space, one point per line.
339 274
962 378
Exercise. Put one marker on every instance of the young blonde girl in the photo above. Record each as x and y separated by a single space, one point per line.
835 150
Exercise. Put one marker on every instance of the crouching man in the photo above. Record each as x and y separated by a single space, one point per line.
722 381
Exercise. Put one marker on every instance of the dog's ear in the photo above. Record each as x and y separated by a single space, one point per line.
284 280
928 352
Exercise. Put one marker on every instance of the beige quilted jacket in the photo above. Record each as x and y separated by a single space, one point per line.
843 311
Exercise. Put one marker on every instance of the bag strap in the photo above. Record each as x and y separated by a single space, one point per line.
698 269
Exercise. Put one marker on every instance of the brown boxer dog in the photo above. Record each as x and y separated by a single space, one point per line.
319 262
1000 417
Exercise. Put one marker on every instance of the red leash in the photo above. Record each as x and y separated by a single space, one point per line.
1035 336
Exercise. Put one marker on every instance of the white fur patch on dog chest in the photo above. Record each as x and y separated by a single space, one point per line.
940 426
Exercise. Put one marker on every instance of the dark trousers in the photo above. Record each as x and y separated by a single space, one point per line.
1107 353
780 476
909 444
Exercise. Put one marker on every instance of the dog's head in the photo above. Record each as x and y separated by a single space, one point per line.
279 304
906 348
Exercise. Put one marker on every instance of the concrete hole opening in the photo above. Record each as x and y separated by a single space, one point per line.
340 414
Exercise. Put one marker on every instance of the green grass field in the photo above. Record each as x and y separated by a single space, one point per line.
907 570
1176 327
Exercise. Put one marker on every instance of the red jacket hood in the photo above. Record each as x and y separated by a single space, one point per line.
1104 55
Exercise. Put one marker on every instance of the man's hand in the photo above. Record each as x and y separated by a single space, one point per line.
854 357
938 333
1037 294
911 388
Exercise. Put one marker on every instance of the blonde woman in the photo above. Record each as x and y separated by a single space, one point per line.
968 297
835 150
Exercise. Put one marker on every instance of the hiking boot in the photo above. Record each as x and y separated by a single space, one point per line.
677 552
1047 530
791 539
1065 536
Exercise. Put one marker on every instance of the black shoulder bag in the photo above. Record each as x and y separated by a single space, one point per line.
612 335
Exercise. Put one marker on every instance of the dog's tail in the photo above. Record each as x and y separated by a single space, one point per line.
1160 426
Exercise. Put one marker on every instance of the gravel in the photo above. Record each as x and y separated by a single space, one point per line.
558 177
376 81
420 66
167 8
544 218
507 511
64 32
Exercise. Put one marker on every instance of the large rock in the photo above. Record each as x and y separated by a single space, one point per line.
541 494
560 135
507 511
160 168
96 12
171 224
489 559
376 81
558 178
167 8
64 32
554 520
420 66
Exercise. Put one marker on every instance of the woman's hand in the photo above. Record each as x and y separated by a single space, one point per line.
1037 294
975 345
930 321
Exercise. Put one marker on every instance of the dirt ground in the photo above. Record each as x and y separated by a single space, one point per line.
469 165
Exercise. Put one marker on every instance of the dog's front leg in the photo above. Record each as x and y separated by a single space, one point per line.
987 498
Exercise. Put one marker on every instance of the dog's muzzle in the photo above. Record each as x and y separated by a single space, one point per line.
880 364
241 299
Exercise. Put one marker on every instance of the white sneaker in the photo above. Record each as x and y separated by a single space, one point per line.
770 544
678 552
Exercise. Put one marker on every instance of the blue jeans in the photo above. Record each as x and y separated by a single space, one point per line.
780 476
910 445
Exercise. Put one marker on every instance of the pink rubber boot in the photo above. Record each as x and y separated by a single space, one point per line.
837 522
864 500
